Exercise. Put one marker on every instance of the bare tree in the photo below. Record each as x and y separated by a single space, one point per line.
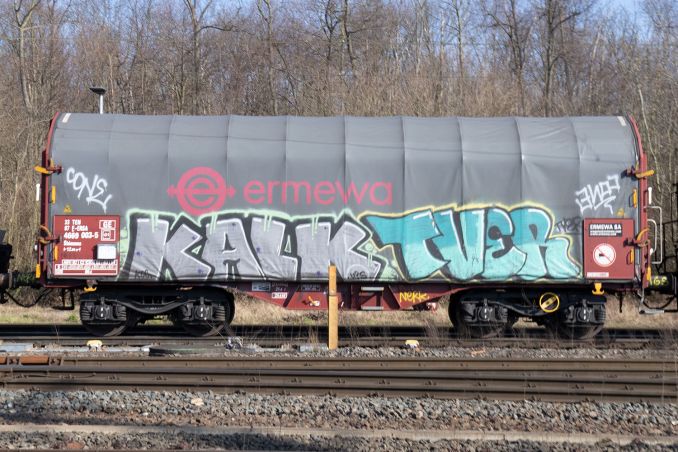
516 28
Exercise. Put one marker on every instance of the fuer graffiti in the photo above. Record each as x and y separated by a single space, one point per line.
486 243
490 243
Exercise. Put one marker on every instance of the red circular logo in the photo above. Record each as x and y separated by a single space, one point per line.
604 255
201 190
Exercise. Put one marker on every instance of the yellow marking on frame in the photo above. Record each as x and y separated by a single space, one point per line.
549 302
332 310
641 233
644 174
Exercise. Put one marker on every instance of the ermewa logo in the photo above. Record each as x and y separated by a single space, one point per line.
201 190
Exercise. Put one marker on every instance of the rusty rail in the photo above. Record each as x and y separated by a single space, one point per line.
275 335
505 379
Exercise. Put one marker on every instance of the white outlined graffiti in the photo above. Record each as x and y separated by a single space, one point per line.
94 189
483 243
604 193
234 246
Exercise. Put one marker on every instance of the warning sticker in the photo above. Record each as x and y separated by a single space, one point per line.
604 255
605 230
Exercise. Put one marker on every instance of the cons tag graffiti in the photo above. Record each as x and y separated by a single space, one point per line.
487 243
94 188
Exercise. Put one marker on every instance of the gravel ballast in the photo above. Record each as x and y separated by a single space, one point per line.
184 441
578 351
211 409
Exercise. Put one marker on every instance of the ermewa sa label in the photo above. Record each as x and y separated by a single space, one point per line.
608 253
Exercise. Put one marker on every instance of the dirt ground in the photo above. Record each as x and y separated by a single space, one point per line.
250 311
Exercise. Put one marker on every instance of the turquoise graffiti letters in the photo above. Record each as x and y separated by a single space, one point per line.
491 243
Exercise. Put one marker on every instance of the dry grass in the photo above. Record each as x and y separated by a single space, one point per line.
250 311
12 313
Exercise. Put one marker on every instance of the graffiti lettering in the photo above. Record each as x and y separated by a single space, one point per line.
485 243
489 243
234 246
412 297
95 189
570 225
604 193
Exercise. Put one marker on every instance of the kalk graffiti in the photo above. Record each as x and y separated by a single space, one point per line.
232 246
489 243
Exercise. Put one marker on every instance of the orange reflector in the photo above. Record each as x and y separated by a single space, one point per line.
644 174
56 252
37 270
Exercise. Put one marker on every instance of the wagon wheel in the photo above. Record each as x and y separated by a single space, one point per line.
223 312
203 329
472 330
577 332
104 329
110 328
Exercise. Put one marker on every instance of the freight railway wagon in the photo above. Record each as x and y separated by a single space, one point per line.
536 218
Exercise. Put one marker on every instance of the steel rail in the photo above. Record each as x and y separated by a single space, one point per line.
550 380
276 335
221 361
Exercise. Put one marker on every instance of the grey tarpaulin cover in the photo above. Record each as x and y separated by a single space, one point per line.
387 199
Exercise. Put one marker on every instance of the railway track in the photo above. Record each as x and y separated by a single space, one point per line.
369 336
561 380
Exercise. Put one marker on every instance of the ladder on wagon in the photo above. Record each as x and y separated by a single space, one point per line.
665 279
